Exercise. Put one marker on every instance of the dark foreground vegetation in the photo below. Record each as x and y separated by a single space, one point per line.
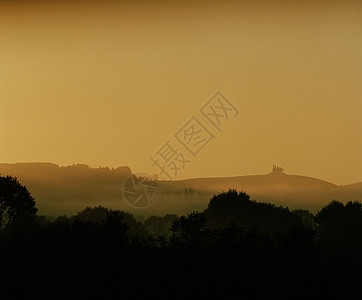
236 248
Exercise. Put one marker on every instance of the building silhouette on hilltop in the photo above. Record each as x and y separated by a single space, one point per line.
277 169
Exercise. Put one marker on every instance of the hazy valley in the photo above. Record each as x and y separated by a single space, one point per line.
66 190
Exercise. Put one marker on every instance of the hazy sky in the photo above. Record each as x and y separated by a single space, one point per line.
109 84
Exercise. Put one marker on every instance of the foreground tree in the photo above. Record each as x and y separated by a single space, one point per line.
16 204
236 207
189 231
340 227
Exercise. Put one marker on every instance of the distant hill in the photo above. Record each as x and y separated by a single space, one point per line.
66 190
281 189
357 187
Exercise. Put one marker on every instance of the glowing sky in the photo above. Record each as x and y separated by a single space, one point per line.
108 84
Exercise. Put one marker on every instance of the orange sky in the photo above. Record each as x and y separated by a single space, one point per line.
109 84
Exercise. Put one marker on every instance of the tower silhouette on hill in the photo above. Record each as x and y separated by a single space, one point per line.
277 169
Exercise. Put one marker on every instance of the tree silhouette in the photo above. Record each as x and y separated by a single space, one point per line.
340 227
16 203
234 206
252 250
114 228
160 226
101 215
93 214
188 230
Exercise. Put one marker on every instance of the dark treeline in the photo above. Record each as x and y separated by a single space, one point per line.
236 248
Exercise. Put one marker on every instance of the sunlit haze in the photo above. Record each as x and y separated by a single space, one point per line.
109 83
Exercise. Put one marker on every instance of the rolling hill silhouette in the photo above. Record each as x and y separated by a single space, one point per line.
293 191
66 190
357 187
